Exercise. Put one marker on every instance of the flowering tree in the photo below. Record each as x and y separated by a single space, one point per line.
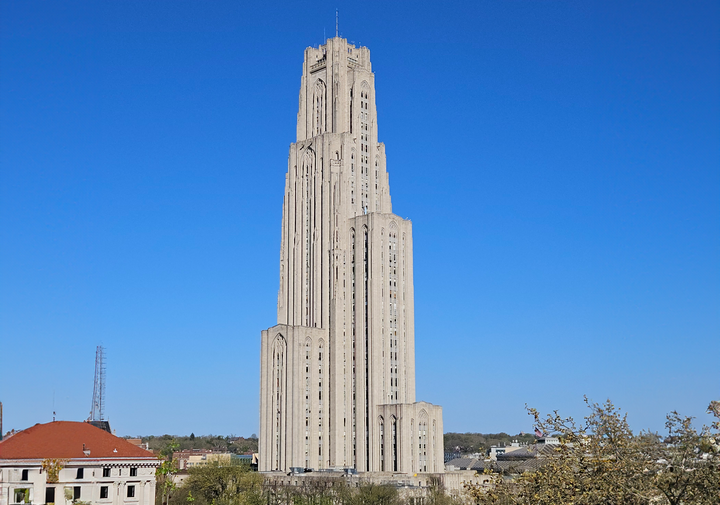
601 461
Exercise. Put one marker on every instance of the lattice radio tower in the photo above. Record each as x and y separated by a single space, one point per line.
98 402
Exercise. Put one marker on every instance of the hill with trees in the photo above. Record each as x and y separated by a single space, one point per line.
469 443
233 444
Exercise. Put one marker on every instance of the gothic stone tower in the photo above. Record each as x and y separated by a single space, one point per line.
337 385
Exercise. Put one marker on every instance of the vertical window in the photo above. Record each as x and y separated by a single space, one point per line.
49 495
394 445
103 492
382 445
277 399
366 275
321 352
131 491
309 219
106 472
133 472
79 473
22 495
364 149
393 313
76 493
319 105
24 475
307 403
352 343
422 445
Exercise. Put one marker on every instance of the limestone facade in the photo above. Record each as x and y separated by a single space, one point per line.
337 385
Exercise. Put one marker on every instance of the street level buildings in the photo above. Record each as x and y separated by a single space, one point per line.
338 370
65 462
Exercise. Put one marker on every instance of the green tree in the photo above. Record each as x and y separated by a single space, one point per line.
165 473
216 484
370 494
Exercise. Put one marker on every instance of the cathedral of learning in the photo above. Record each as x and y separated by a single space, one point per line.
337 374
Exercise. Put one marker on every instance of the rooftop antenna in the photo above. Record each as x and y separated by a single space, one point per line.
336 22
98 402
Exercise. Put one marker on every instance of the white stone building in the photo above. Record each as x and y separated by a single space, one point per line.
338 370
93 466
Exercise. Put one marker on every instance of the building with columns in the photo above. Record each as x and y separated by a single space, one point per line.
337 386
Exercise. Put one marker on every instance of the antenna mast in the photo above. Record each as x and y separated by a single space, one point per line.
98 402
336 22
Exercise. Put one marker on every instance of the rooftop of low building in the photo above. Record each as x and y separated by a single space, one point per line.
68 440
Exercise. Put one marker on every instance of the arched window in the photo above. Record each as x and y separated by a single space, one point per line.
364 147
393 312
319 107
382 444
278 382
307 402
394 445
308 219
422 441
353 351
321 409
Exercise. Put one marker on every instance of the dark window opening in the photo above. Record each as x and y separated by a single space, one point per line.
76 493
49 495
131 491
24 475
106 472
133 472
22 495
103 492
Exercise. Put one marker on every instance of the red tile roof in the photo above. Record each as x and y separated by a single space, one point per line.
65 439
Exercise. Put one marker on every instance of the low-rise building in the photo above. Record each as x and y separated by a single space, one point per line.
65 462
497 450
198 457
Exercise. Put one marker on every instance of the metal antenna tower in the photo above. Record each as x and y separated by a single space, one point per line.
98 402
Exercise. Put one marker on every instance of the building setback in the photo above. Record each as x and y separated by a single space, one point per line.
63 462
337 385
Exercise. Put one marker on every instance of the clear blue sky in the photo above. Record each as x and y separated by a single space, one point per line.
560 162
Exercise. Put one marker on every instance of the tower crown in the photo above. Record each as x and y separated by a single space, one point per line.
333 74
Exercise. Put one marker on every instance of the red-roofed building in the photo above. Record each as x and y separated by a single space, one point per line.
92 466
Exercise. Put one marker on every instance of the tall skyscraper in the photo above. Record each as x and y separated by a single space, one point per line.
337 384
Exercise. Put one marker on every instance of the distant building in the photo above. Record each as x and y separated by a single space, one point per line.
526 459
138 443
199 457
63 462
497 450
510 460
